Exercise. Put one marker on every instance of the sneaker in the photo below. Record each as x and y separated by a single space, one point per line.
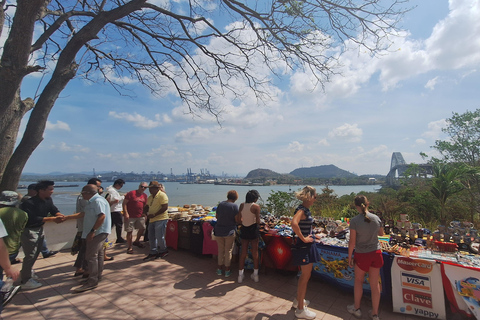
84 288
162 255
254 277
357 313
7 296
295 303
228 273
34 275
305 313
240 278
150 257
374 317
219 272
30 284
138 244
50 254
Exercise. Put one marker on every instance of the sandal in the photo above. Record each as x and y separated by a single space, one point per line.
130 251
138 244
108 259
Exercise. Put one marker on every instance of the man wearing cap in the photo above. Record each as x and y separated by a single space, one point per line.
14 220
97 225
157 206
40 209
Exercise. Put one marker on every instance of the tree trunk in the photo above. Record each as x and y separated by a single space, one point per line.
16 51
65 70
13 68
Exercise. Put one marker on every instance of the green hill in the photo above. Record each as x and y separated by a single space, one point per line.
262 173
326 171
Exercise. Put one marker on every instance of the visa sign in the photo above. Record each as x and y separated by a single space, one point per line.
416 281
422 299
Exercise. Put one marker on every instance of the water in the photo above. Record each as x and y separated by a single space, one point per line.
181 194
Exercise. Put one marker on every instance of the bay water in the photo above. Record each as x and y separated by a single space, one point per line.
181 194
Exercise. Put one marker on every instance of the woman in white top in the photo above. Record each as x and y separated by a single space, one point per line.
249 217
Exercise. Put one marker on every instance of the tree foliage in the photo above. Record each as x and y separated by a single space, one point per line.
281 203
463 131
169 49
447 182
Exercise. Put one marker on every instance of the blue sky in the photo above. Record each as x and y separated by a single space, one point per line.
395 102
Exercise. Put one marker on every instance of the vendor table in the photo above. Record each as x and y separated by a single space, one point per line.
333 268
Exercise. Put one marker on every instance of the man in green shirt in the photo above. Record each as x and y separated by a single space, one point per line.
14 220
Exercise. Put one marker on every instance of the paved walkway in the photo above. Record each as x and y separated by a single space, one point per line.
181 286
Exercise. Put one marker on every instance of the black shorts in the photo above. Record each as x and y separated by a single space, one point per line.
304 253
250 232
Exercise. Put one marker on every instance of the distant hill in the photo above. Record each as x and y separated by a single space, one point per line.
326 171
262 173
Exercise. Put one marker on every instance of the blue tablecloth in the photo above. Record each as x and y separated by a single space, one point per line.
333 268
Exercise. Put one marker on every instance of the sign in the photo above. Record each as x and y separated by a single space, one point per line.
417 288
463 289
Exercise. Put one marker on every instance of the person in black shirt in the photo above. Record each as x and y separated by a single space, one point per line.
40 209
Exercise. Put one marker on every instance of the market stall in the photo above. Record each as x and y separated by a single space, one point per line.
419 265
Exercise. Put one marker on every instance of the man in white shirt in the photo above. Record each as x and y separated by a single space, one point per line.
116 206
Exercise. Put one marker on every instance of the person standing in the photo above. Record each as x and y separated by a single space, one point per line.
249 217
80 263
224 231
14 219
306 252
133 212
157 206
40 209
364 231
31 192
97 225
115 200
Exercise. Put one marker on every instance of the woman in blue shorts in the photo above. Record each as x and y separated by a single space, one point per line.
364 231
304 252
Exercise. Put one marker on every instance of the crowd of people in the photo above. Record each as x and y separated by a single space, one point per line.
22 222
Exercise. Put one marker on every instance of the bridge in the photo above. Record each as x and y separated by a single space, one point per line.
398 168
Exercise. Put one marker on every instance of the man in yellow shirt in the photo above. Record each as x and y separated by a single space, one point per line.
156 208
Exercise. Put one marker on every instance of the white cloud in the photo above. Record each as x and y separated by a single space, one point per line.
60 125
347 132
137 119
420 141
454 42
323 142
63 147
194 135
431 83
295 147
435 129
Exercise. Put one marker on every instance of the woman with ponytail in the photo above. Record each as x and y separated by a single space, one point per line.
364 231
304 253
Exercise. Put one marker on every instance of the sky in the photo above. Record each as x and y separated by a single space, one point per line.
394 102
